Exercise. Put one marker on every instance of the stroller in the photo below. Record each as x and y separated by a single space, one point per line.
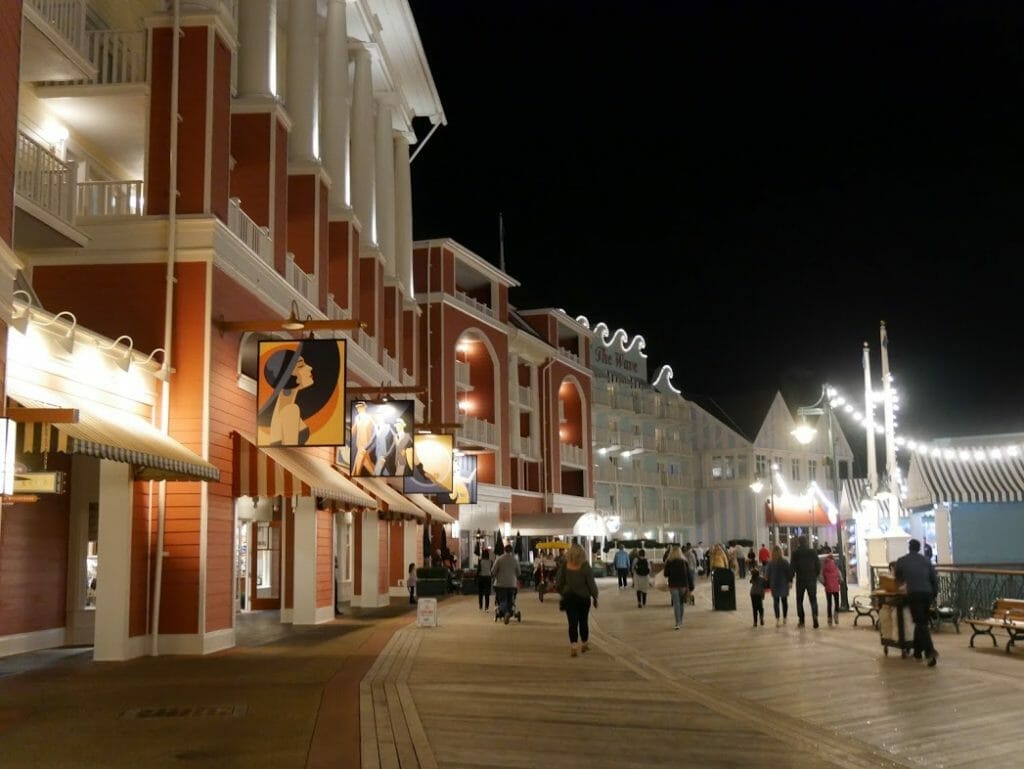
509 610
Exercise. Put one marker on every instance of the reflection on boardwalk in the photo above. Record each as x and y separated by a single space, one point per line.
718 693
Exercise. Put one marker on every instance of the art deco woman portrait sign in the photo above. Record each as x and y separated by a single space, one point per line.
300 392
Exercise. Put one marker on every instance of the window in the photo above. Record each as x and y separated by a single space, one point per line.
761 465
812 469
716 468
722 468
796 469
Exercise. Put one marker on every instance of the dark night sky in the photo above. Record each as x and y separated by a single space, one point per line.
768 181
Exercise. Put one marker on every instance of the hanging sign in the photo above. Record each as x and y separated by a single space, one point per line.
381 438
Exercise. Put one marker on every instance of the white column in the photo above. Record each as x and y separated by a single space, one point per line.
385 186
369 547
403 215
336 106
257 48
302 98
361 158
113 574
304 569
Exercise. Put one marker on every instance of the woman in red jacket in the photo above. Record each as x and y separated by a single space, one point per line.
830 578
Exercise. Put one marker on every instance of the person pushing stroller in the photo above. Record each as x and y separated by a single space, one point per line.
505 577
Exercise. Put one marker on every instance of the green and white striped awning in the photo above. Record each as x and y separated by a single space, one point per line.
119 436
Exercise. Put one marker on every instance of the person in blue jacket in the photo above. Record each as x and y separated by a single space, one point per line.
621 563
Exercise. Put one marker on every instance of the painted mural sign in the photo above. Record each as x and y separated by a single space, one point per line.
433 465
300 392
381 438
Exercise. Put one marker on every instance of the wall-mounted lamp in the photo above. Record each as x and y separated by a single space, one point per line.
291 323
164 372
66 339
20 321
122 359
8 448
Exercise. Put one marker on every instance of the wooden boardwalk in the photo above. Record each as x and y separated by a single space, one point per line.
718 693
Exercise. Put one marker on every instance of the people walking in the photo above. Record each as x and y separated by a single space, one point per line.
483 579
917 574
621 563
410 582
680 581
757 586
751 559
641 578
806 568
576 584
780 576
830 578
505 574
763 556
691 558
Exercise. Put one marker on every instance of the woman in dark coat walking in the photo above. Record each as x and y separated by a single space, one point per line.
780 577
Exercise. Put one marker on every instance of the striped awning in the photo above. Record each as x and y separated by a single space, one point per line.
119 436
979 478
271 472
388 499
435 511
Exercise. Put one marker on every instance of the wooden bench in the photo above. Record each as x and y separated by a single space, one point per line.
865 607
1008 614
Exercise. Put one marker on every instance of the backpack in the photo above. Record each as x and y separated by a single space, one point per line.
642 567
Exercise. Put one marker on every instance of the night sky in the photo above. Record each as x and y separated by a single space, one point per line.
750 186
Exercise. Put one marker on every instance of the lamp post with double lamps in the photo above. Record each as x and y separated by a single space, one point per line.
804 434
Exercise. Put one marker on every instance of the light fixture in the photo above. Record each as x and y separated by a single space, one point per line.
67 339
804 433
757 486
8 448
164 372
291 323
20 321
122 359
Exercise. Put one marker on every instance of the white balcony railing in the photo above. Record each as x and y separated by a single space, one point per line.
109 199
298 279
525 396
43 178
368 343
524 445
462 375
67 17
408 378
336 311
119 57
570 454
469 301
478 430
390 366
255 237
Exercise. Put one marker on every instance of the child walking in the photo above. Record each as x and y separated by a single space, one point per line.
410 582
757 585
830 578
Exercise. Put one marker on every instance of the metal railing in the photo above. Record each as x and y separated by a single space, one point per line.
971 590
43 178
478 430
110 198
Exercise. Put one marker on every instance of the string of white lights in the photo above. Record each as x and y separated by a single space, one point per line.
842 405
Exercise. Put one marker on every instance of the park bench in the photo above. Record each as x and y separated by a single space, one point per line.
1008 614
865 607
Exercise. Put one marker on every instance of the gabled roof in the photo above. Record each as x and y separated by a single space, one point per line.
742 412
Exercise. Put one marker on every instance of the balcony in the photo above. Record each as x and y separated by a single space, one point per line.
478 431
469 302
107 199
53 41
524 445
462 377
44 197
571 455
525 397
391 367
252 235
300 280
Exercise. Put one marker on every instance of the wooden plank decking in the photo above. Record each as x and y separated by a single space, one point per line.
718 693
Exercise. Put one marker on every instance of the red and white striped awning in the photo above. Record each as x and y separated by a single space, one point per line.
272 472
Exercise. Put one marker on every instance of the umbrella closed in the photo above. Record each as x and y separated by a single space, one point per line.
426 542
518 548
497 542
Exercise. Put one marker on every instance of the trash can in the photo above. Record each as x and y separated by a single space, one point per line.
723 590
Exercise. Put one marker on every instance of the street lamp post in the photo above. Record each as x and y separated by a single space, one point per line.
804 433
757 487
